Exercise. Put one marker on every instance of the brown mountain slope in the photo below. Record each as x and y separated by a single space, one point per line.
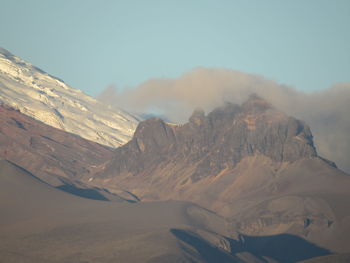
39 223
46 150
250 163
210 145
55 156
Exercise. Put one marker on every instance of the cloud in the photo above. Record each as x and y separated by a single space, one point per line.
327 111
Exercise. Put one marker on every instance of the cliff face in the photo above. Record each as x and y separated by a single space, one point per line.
217 141
167 161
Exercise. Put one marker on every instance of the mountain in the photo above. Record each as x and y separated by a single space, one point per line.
243 183
250 163
298 212
39 223
42 224
55 156
48 99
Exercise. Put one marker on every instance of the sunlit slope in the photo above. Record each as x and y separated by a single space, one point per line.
39 223
48 99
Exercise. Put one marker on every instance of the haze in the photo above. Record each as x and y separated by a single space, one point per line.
92 44
175 131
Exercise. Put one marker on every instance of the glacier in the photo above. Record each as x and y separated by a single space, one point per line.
48 99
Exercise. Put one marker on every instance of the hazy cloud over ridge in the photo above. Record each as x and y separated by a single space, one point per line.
326 111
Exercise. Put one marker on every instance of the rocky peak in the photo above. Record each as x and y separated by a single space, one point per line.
153 134
219 140
197 117
256 104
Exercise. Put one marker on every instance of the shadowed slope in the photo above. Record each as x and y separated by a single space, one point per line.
338 258
284 248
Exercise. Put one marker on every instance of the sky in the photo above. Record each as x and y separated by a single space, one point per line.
94 44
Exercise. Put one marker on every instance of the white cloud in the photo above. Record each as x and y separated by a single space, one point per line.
326 111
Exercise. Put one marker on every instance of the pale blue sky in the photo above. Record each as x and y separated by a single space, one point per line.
92 44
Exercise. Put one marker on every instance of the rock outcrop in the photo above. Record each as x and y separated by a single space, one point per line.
217 141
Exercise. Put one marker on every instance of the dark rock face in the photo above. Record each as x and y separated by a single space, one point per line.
216 141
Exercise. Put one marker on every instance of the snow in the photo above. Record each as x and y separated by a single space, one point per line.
48 99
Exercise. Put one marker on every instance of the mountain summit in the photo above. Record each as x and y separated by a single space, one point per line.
48 99
250 163
218 141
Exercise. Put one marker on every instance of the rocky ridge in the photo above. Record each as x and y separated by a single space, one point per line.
217 141
250 163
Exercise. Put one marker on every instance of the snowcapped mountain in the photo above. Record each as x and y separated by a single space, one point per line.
48 99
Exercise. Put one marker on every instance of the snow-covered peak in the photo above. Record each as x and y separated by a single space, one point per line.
48 99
